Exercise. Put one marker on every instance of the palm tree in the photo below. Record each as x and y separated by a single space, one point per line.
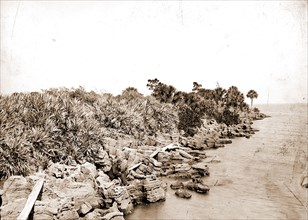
252 94
196 86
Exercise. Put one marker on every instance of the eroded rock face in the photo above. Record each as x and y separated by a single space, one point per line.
12 209
16 187
136 191
16 190
46 209
155 189
73 192
68 193
109 189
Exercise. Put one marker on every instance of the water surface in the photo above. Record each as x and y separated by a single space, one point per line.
257 178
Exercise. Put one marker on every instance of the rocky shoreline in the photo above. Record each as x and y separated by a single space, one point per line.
123 175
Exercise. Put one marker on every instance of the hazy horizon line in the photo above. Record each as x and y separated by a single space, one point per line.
106 92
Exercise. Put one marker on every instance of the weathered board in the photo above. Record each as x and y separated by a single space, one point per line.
31 200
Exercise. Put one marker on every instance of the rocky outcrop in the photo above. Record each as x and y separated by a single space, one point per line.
82 192
122 177
155 189
16 190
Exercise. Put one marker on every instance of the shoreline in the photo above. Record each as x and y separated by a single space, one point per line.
100 155
256 178
96 195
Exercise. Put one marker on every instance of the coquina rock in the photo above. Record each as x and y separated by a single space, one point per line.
70 194
136 191
16 190
197 186
182 193
155 189
47 209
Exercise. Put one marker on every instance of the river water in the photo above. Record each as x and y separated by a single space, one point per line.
256 178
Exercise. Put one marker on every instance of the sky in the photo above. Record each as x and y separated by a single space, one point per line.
107 46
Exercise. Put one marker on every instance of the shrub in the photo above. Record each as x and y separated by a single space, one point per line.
71 124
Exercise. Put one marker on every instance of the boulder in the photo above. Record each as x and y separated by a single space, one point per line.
12 209
211 142
155 195
116 191
88 170
67 209
163 156
150 184
16 187
95 201
40 216
155 162
224 141
176 185
155 189
102 159
182 175
197 186
201 188
182 167
57 170
113 216
134 175
196 143
68 215
46 209
201 169
135 190
185 154
16 190
103 181
84 209
113 213
197 153
66 188
126 206
183 194
218 145
92 215
143 170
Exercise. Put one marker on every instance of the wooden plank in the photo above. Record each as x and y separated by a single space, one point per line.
31 200
154 153
170 147
135 166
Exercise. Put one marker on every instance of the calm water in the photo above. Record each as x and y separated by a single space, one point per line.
253 174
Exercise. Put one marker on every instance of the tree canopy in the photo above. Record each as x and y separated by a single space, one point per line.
220 104
252 94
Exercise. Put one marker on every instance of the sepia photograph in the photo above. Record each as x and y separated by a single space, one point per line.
153 110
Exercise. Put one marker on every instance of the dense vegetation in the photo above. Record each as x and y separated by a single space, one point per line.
63 124
72 124
220 104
